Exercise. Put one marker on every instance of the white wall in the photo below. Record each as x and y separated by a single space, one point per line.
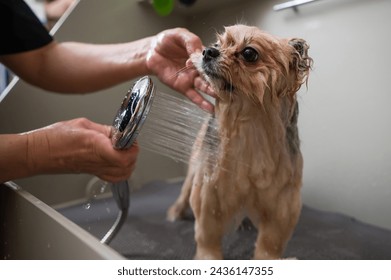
345 119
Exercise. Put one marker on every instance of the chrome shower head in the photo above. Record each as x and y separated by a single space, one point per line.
126 126
132 113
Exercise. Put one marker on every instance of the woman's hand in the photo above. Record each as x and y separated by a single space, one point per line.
79 146
168 59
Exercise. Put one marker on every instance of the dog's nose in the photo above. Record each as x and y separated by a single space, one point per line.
210 53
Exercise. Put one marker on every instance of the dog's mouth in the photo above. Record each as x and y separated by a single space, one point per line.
219 80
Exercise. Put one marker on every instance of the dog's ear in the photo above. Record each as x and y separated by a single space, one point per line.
299 45
300 61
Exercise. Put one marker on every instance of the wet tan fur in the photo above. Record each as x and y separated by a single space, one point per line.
258 171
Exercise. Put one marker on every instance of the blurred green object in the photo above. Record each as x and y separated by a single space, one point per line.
163 7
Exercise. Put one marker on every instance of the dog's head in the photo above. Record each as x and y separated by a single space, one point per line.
247 61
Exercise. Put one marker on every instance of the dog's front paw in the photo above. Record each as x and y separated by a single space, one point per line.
290 259
208 254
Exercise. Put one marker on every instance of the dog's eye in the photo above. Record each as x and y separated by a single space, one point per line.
249 54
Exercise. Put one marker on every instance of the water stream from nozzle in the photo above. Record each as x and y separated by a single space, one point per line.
172 127
164 124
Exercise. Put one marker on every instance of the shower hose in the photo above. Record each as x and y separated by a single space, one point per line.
121 196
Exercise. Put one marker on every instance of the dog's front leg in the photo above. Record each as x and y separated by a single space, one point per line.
271 242
209 225
276 228
178 209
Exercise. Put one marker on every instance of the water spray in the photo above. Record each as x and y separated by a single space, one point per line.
171 130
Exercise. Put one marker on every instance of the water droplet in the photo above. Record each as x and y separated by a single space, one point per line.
103 188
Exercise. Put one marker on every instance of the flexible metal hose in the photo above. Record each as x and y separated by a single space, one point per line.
121 196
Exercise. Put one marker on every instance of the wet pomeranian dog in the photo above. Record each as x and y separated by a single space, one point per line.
256 169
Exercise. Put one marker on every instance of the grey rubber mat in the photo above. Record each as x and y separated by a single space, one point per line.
147 235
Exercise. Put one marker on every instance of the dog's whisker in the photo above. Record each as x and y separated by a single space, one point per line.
176 74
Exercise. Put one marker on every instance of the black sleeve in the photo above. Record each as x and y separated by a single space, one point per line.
20 29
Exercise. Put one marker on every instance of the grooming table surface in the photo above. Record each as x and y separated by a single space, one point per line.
147 235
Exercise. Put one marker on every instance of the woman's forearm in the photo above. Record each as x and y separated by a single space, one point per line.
79 68
13 157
